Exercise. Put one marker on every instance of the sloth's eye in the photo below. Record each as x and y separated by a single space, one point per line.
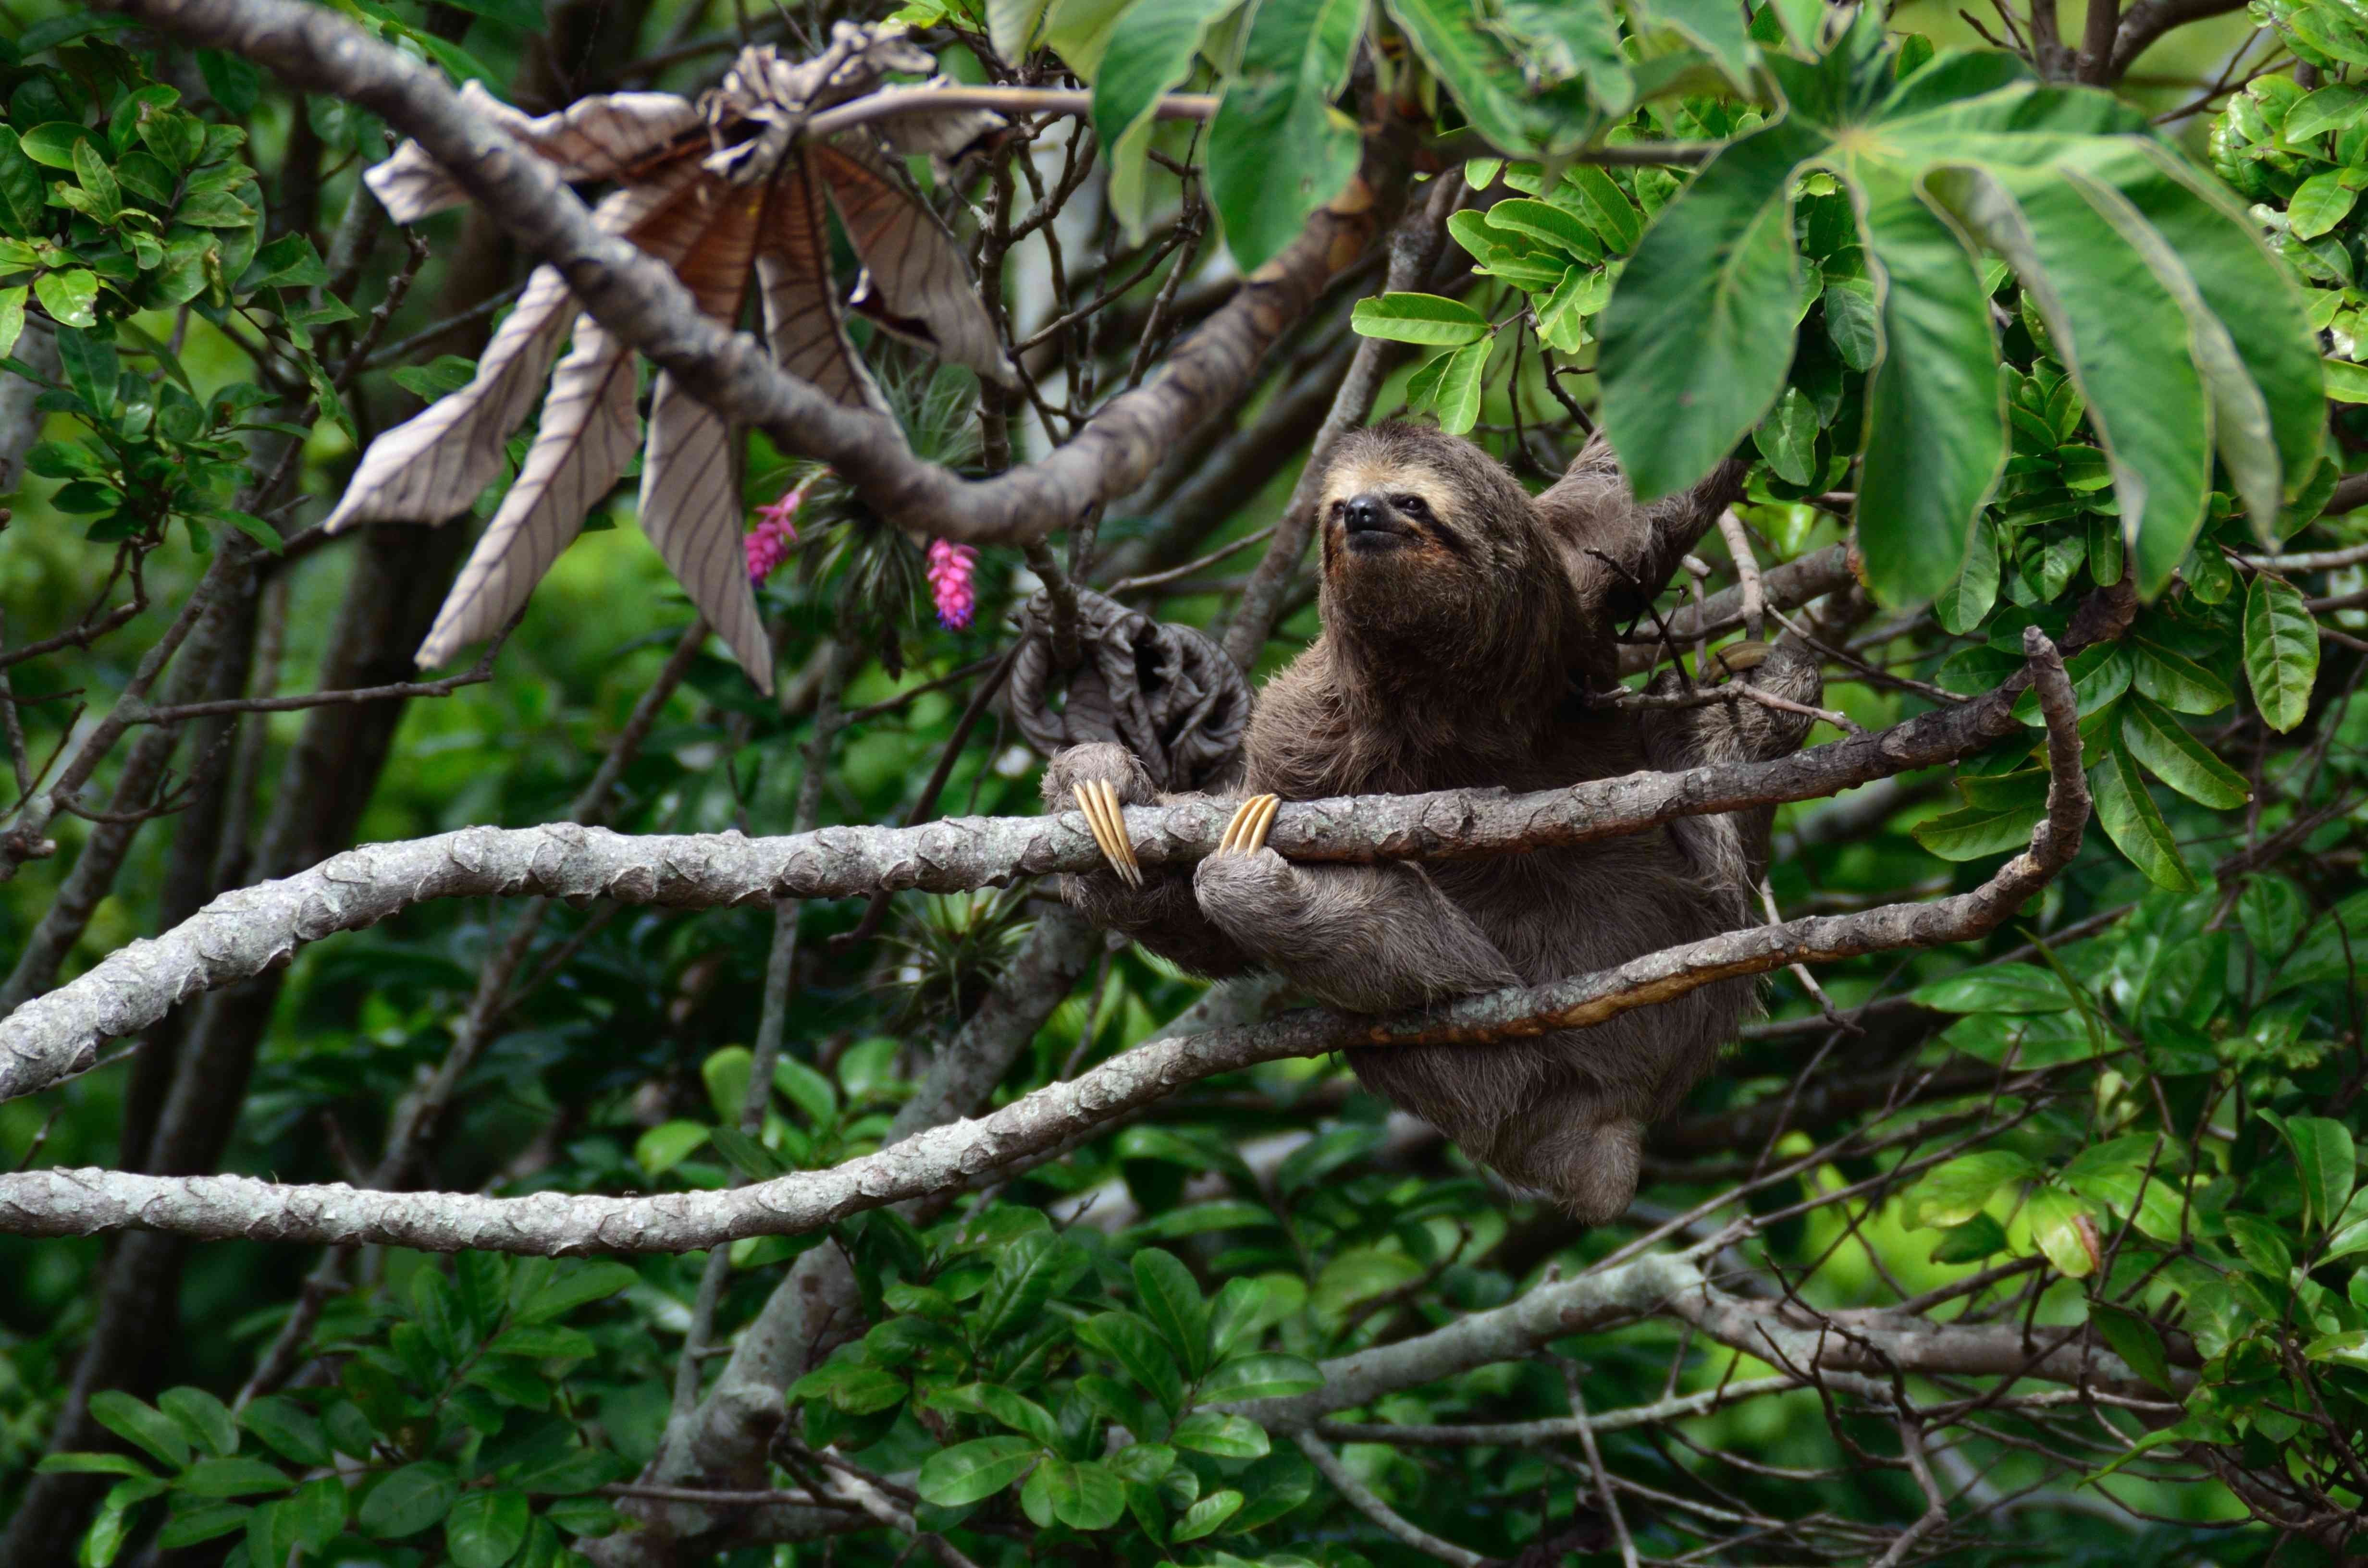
1412 506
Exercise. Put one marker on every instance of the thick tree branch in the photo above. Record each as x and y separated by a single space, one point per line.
640 301
246 932
2150 19
61 1202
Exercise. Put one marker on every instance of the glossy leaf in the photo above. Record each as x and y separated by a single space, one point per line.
1277 148
1149 53
1419 318
1931 456
2123 337
2130 818
2280 651
971 1471
2178 760
2064 1232
1699 334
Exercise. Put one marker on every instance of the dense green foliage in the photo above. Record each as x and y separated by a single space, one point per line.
2020 348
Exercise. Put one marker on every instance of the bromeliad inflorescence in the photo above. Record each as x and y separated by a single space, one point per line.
729 192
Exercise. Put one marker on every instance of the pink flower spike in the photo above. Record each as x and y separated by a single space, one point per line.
768 543
950 566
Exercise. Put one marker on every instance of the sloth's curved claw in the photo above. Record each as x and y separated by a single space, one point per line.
1738 657
1246 833
1107 824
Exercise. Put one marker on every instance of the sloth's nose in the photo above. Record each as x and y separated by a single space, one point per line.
1365 513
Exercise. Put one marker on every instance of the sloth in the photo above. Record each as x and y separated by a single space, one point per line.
1465 627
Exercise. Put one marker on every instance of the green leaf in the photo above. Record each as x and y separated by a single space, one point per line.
95 177
1561 41
1167 1295
1276 148
485 1529
2329 108
540 1300
1022 1415
969 1472
2122 334
1149 53
445 373
68 296
1952 1194
1788 438
2135 1340
2253 337
1699 333
1604 205
2320 203
12 317
1935 438
1997 988
1489 82
2128 815
1852 324
51 145
1458 397
1979 1237
1137 1346
1541 220
231 1478
23 197
1982 830
206 1419
1419 318
2061 1226
1204 1516
408 1500
1028 1273
2178 760
142 1425
667 1144
2346 382
1719 28
2323 1155
2174 680
90 1464
1262 1375
808 1090
1085 1496
1226 1437
2280 651
203 1524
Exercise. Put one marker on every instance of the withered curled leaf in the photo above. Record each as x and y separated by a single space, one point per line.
730 193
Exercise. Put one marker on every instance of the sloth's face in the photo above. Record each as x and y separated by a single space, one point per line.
1404 553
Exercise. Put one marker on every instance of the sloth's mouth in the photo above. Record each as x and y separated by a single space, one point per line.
1378 533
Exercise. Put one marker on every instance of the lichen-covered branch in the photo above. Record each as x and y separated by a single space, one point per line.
960 1153
245 932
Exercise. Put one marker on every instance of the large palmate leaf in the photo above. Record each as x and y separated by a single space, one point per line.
2184 336
724 194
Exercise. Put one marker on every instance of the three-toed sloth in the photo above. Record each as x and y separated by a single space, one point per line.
1464 624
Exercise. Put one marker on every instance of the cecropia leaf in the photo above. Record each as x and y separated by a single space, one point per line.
916 284
594 138
690 510
802 315
590 430
433 466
